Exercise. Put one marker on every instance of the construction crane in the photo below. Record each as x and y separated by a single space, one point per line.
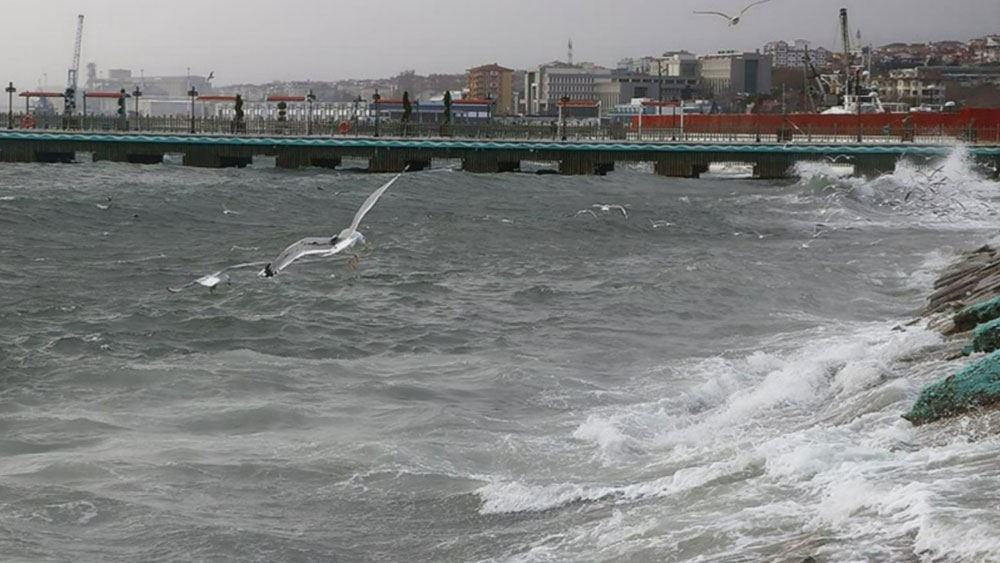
74 70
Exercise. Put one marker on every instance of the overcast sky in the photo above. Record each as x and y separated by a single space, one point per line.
258 41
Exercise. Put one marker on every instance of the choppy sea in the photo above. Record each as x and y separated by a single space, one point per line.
714 372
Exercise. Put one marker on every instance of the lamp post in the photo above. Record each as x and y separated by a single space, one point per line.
562 114
194 94
309 117
136 93
10 105
489 108
376 98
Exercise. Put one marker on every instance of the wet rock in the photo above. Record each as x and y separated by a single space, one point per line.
985 338
973 315
976 385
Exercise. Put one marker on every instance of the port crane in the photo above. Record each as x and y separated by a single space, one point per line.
74 69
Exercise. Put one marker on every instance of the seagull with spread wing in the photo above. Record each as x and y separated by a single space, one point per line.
212 280
735 20
326 246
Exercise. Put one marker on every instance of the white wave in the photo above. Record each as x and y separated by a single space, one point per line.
503 497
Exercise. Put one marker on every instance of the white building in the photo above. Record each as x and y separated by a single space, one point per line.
544 87
784 55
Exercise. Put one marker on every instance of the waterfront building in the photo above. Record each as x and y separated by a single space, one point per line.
493 82
785 55
551 82
728 74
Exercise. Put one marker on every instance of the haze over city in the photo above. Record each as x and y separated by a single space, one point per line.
254 42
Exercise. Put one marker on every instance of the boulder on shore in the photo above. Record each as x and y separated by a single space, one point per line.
985 338
977 314
976 385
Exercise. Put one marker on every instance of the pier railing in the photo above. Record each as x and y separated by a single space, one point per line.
553 131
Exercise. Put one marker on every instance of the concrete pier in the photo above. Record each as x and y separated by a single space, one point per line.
685 160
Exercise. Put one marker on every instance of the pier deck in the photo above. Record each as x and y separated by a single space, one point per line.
680 159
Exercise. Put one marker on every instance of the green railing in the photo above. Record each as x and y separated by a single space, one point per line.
552 131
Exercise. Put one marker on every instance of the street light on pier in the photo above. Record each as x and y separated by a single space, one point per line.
194 94
10 105
310 97
136 93
376 98
562 114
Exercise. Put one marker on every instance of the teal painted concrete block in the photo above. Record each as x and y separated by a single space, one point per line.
976 385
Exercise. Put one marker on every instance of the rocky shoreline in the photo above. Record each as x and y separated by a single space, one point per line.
965 306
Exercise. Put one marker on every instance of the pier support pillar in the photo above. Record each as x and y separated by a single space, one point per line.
13 151
298 158
583 164
211 159
291 159
679 168
771 167
330 162
484 163
55 157
874 164
396 161
121 154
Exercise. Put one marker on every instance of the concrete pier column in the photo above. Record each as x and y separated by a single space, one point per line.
291 159
396 161
486 163
298 158
14 151
679 167
772 166
124 154
330 162
585 164
874 164
208 158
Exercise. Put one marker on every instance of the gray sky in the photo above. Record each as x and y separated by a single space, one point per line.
258 41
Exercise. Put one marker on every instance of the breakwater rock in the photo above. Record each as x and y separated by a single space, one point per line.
965 304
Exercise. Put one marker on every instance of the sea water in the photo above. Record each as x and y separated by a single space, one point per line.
513 373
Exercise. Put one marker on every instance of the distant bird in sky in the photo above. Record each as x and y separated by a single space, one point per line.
212 280
327 246
734 20
211 75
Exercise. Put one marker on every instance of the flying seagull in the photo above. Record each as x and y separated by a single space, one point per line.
735 20
212 280
838 157
326 246
606 207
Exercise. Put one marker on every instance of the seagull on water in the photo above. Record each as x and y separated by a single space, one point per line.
212 280
326 246
227 211
607 207
733 20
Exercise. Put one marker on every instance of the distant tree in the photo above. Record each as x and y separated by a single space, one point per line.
407 107
238 126
407 111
